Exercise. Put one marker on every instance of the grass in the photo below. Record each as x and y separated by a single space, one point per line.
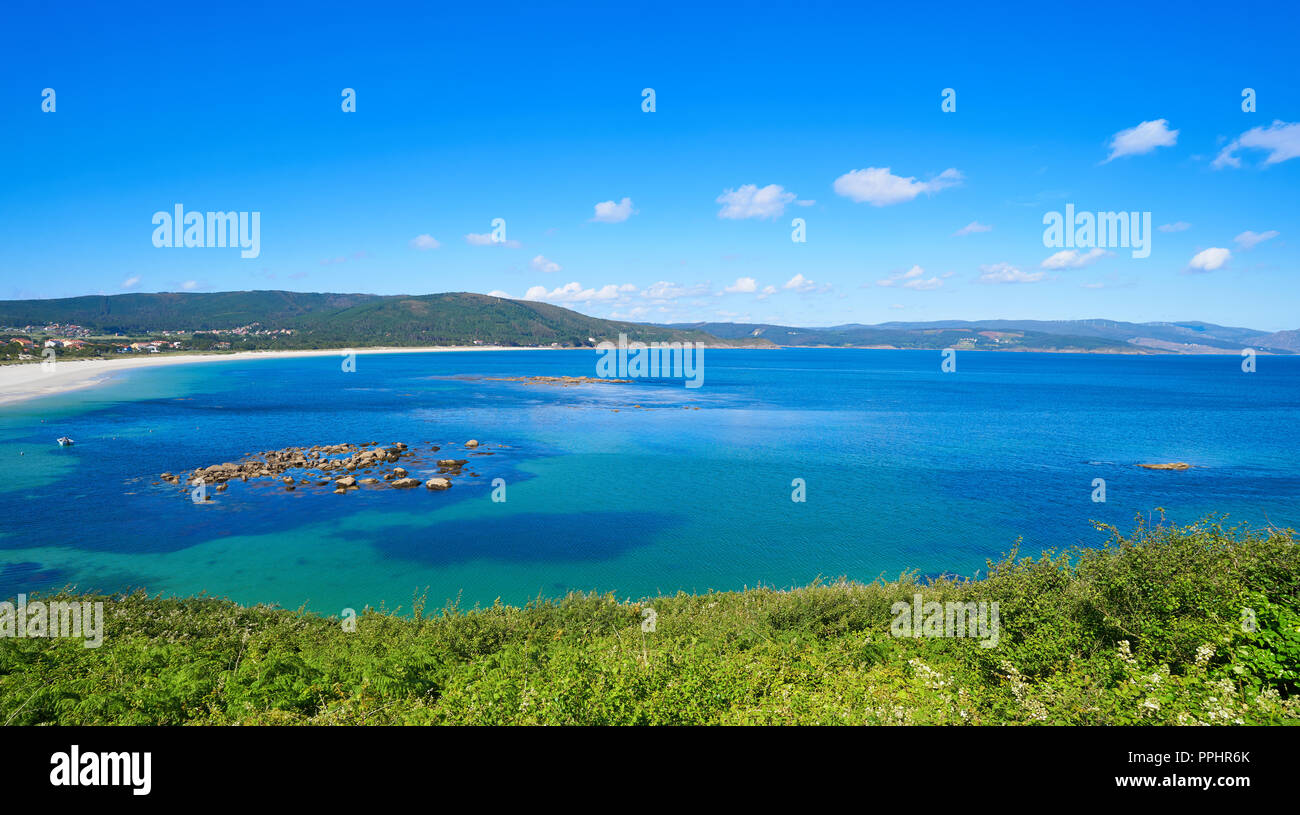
1166 625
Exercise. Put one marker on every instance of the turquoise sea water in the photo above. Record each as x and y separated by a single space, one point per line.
906 467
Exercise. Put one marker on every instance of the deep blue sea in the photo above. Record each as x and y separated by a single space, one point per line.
906 468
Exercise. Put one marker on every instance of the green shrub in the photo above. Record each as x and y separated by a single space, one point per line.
1166 625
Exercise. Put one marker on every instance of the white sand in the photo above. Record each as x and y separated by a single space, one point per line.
32 380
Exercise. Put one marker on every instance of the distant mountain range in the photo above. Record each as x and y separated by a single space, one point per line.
1099 336
460 318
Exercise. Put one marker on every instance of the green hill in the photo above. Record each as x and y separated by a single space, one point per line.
343 320
142 313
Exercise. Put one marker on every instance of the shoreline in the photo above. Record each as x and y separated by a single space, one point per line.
22 382
19 383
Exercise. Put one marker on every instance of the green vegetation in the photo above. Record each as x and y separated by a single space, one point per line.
1147 629
320 321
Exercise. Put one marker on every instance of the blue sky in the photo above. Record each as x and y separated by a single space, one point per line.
534 115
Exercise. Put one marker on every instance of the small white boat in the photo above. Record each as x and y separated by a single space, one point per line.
64 441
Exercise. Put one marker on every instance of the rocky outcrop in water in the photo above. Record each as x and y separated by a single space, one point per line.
341 467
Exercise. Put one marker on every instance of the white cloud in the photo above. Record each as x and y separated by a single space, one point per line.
1073 259
767 292
131 282
743 285
424 242
1142 139
751 201
1210 259
807 203
913 278
879 187
1176 226
575 293
499 293
973 226
1249 240
541 264
1280 139
799 283
607 212
485 239
664 290
1006 273
190 285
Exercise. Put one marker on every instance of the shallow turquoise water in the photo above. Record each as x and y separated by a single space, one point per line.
907 468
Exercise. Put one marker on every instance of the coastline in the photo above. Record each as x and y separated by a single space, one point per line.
19 383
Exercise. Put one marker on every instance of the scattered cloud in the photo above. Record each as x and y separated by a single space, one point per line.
608 212
575 293
743 285
752 201
1006 273
663 291
972 227
1207 260
799 283
499 293
1073 259
423 242
1176 226
880 188
1142 139
1280 139
1249 240
190 285
541 264
131 282
913 278
807 203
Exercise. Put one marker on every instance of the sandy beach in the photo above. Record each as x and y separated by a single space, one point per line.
33 380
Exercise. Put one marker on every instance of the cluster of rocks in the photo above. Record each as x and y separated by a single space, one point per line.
343 466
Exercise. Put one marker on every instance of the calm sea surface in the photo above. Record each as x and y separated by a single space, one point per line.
906 468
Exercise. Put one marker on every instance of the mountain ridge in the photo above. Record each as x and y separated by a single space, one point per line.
330 319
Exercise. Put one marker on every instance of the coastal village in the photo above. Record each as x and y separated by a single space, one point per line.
28 343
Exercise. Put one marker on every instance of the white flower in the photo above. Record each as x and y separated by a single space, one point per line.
1204 654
